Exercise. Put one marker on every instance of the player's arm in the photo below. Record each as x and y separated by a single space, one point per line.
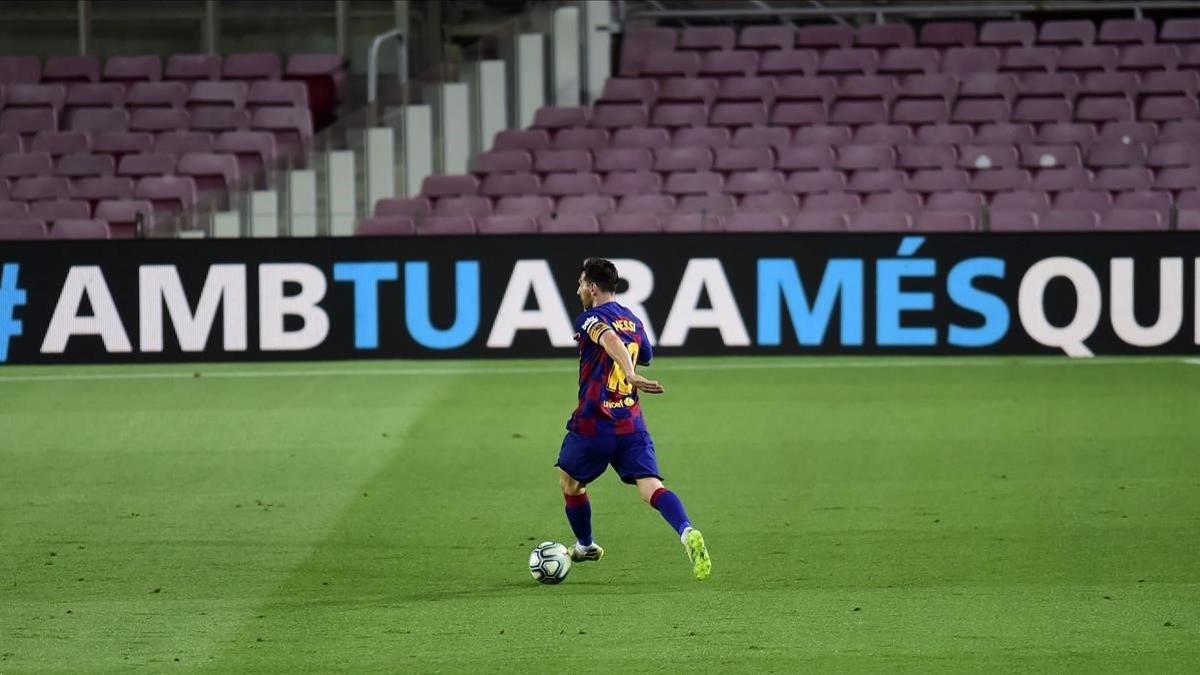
620 355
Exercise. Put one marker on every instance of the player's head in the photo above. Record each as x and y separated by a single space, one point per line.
597 278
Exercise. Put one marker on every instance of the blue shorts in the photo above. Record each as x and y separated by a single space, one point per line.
584 458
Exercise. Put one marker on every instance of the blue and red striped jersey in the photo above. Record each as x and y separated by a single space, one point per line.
608 405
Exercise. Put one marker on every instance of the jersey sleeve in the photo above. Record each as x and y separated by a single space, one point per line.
647 350
592 326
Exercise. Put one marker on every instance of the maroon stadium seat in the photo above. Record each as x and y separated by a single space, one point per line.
385 226
27 164
122 216
414 207
948 34
157 95
56 209
1126 31
133 68
193 67
506 224
20 70
767 37
467 205
622 159
84 164
582 139
257 66
1069 32
292 127
32 188
49 96
63 68
550 161
98 188
55 143
204 93
80 228
525 205
154 164
558 117
499 185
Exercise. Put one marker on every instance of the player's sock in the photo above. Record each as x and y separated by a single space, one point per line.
671 508
579 514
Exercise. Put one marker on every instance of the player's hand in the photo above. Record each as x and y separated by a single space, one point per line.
644 384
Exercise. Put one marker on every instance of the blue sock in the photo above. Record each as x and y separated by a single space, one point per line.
671 509
579 514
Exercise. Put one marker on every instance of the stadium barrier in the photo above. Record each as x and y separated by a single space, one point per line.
159 301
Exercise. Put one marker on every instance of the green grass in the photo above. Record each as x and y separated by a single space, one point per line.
878 515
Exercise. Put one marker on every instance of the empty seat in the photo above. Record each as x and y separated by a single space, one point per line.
882 134
55 209
159 119
385 226
98 119
97 188
744 159
944 221
466 205
1013 221
641 138
1128 132
84 164
693 182
563 184
817 221
12 143
502 161
550 161
1078 133
819 181
988 85
1091 200
1132 220
500 184
1015 200
767 37
1059 179
753 182
958 200
154 164
776 202
293 127
825 36
1173 154
415 207
848 62
62 68
799 62
920 111
1180 30
208 94
1177 178
630 222
146 67
683 159
1116 154
1007 33
193 67
926 156
939 180
271 93
51 96
524 205
55 143
616 115
698 221
948 34
879 221
707 137
832 201
707 37
669 115
1042 109
707 204
996 180
800 157
981 110
796 113
1068 220
944 134
1180 130
1165 108
664 63
449 186
729 63
213 173
639 43
755 222
865 157
823 134
928 86
506 224
583 139
157 95
33 188
877 180
646 203
20 70
180 142
589 204
963 60
1126 31
1145 200
1170 82
1103 108
1149 57
621 183
1048 156
737 114
80 228
885 35
558 117
987 157
1104 83
902 201
909 60
258 66
877 87
854 112
27 164
22 229
445 226
10 210
1031 84
1003 133
1123 178
761 137
629 90
254 150
1085 58
573 223
1069 32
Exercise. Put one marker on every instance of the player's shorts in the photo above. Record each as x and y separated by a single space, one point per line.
584 458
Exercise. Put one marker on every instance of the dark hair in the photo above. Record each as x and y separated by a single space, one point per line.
602 273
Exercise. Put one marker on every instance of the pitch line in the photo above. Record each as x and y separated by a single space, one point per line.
882 362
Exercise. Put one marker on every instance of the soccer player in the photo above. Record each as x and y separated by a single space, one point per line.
607 426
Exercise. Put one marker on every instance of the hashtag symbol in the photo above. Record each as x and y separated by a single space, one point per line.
11 297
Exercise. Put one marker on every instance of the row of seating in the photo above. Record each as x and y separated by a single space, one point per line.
1048 133
168 195
850 156
201 93
622 183
638 43
88 68
78 153
808 221
62 228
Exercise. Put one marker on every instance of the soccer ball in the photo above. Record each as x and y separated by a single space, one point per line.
549 563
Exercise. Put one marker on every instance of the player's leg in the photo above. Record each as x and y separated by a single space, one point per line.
636 463
580 461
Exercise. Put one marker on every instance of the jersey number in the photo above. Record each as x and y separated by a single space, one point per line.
616 379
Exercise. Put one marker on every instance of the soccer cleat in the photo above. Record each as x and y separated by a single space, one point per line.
693 543
582 553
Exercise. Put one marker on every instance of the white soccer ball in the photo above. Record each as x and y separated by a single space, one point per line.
549 562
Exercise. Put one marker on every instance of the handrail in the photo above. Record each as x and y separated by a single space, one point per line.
373 61
969 8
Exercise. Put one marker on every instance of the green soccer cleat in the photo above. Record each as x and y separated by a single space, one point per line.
693 543
581 553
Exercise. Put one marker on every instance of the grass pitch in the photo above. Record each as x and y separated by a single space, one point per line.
862 514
